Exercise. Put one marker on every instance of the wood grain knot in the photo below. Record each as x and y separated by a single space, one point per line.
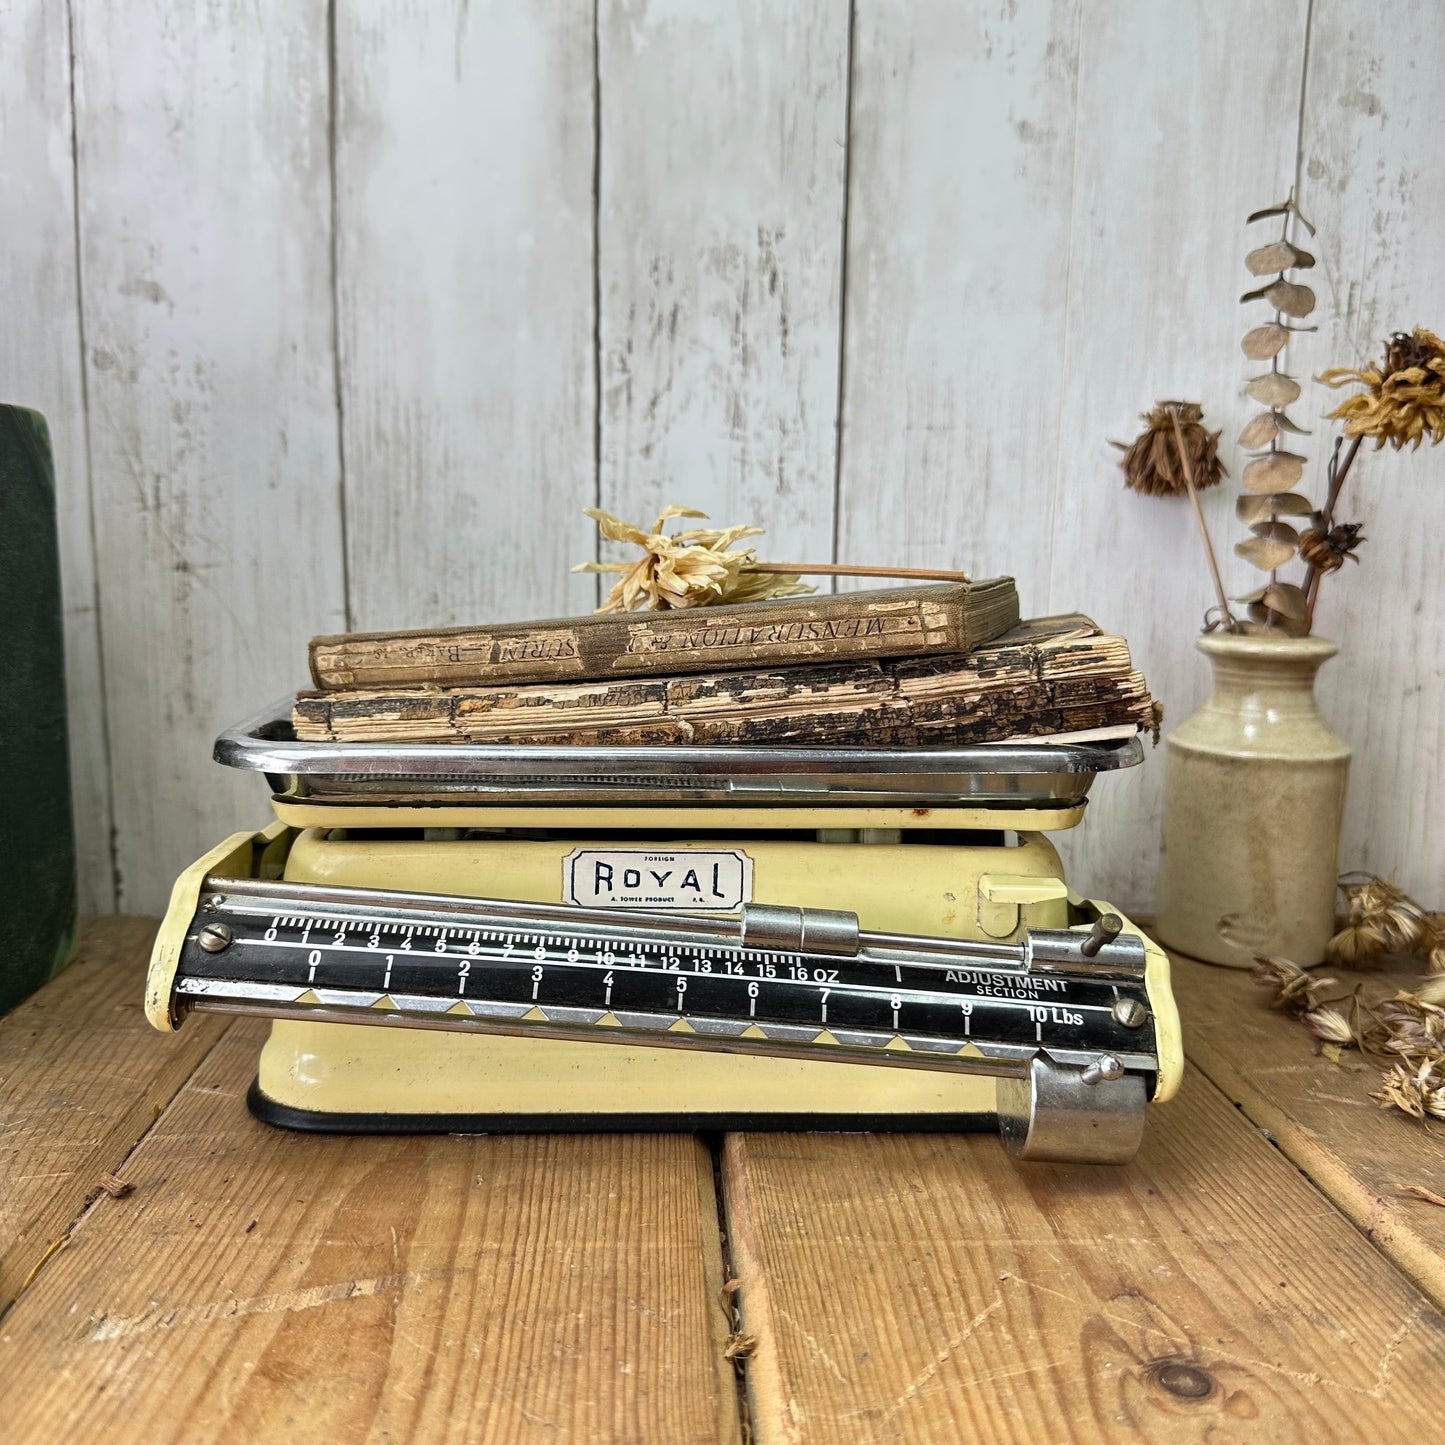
1187 1382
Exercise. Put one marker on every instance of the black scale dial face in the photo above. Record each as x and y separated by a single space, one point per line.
285 963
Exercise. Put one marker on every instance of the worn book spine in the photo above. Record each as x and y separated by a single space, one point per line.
1055 675
894 622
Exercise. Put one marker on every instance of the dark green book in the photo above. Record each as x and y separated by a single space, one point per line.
37 841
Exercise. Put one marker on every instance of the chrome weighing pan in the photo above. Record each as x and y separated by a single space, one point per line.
1022 774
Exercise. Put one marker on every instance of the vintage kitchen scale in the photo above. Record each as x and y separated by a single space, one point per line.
835 938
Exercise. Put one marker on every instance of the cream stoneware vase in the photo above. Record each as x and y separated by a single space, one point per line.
1254 796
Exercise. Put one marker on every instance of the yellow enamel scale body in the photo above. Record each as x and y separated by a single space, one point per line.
947 877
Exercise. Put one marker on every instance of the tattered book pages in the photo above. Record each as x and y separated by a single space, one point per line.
1050 676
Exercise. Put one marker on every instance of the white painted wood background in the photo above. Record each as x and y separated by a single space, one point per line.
341 313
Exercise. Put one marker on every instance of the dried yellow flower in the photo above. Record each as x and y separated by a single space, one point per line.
694 568
1151 462
1404 397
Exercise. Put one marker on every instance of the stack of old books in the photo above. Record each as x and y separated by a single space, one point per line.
932 666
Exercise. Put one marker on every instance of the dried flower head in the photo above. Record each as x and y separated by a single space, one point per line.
1329 1025
739 1346
694 568
1411 1025
1404 397
1151 462
1379 919
1435 940
1431 989
1369 894
1294 989
1419 1090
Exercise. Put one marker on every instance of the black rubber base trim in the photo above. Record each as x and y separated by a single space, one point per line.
318 1121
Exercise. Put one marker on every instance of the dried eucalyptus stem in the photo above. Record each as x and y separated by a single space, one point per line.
1188 469
1269 478
1402 403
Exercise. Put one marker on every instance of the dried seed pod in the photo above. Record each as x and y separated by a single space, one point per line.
1285 296
1151 462
1277 256
1265 341
1274 389
1326 551
1274 472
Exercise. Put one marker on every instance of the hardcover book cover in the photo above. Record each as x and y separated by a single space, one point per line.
952 617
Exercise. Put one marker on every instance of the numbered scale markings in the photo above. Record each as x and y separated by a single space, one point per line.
695 980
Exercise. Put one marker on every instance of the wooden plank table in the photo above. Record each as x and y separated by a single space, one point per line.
1256 1274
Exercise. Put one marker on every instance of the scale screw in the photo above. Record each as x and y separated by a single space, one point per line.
1131 1013
214 937
1106 1066
1107 927
214 902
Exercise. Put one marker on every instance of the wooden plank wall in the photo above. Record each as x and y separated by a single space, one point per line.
464 244
343 313
40 366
